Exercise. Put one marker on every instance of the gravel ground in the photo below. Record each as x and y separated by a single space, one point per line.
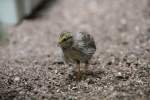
120 69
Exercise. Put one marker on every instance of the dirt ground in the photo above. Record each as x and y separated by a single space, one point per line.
120 69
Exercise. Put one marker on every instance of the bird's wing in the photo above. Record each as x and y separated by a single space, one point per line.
85 43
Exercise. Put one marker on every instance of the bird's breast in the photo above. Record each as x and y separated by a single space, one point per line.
72 55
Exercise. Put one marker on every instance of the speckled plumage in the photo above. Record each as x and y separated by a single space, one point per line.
82 48
77 47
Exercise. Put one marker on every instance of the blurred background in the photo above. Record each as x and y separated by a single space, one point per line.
29 31
114 24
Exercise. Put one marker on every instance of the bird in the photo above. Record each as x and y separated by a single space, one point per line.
77 48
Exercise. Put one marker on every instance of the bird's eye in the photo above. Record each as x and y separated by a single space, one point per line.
64 39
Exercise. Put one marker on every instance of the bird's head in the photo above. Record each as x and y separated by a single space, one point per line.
65 39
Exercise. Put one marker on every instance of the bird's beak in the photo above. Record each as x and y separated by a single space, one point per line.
58 44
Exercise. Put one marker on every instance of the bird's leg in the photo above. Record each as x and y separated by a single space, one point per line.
86 67
78 71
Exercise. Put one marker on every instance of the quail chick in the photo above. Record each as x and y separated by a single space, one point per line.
77 48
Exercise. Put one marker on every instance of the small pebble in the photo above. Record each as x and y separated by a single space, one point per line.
119 74
17 78
74 88
56 71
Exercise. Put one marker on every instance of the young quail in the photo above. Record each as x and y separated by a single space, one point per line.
77 48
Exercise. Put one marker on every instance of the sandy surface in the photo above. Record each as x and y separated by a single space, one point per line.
120 69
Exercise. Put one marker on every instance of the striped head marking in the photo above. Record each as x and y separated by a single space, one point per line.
64 36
